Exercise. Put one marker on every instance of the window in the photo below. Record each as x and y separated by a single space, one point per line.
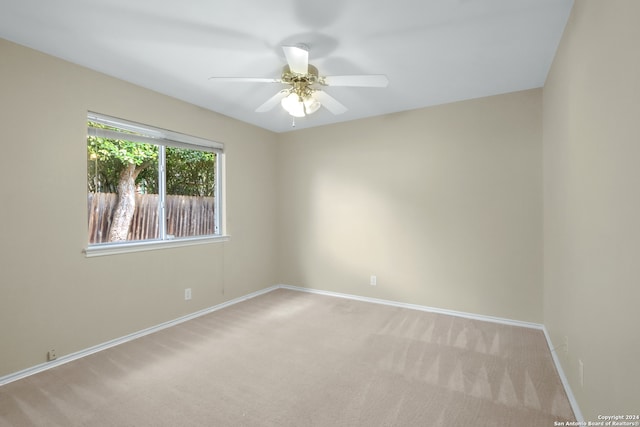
148 187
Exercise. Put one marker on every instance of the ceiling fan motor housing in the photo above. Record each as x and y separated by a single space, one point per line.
292 78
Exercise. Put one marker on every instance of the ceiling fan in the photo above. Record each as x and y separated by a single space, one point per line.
304 96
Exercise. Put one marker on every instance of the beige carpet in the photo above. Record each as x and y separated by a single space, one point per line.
291 358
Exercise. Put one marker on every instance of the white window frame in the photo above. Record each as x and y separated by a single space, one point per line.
162 138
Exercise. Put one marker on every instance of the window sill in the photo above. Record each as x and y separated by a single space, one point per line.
152 245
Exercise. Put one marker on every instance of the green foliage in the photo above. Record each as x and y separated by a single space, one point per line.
189 172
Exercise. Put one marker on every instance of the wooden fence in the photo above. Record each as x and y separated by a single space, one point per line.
186 216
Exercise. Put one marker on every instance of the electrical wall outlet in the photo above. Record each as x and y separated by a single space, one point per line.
187 294
373 281
51 355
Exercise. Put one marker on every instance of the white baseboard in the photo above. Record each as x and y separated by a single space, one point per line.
556 361
502 320
563 378
82 353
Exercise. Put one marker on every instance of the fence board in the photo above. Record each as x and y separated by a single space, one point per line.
186 216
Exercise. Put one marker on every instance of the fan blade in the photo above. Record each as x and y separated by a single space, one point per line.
272 102
369 80
245 80
329 102
297 58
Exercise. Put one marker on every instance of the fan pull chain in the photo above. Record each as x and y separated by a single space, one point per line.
293 122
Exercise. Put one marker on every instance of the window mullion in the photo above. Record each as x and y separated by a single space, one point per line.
162 186
217 194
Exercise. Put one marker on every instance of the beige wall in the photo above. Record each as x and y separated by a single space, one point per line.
51 296
443 204
592 204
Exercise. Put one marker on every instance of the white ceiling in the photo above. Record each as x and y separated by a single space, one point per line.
433 51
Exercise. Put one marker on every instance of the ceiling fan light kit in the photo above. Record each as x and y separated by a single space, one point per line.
304 97
300 105
300 101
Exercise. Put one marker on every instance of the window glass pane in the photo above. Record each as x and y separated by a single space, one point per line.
122 189
190 192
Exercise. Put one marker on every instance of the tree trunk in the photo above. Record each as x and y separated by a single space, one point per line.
123 214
